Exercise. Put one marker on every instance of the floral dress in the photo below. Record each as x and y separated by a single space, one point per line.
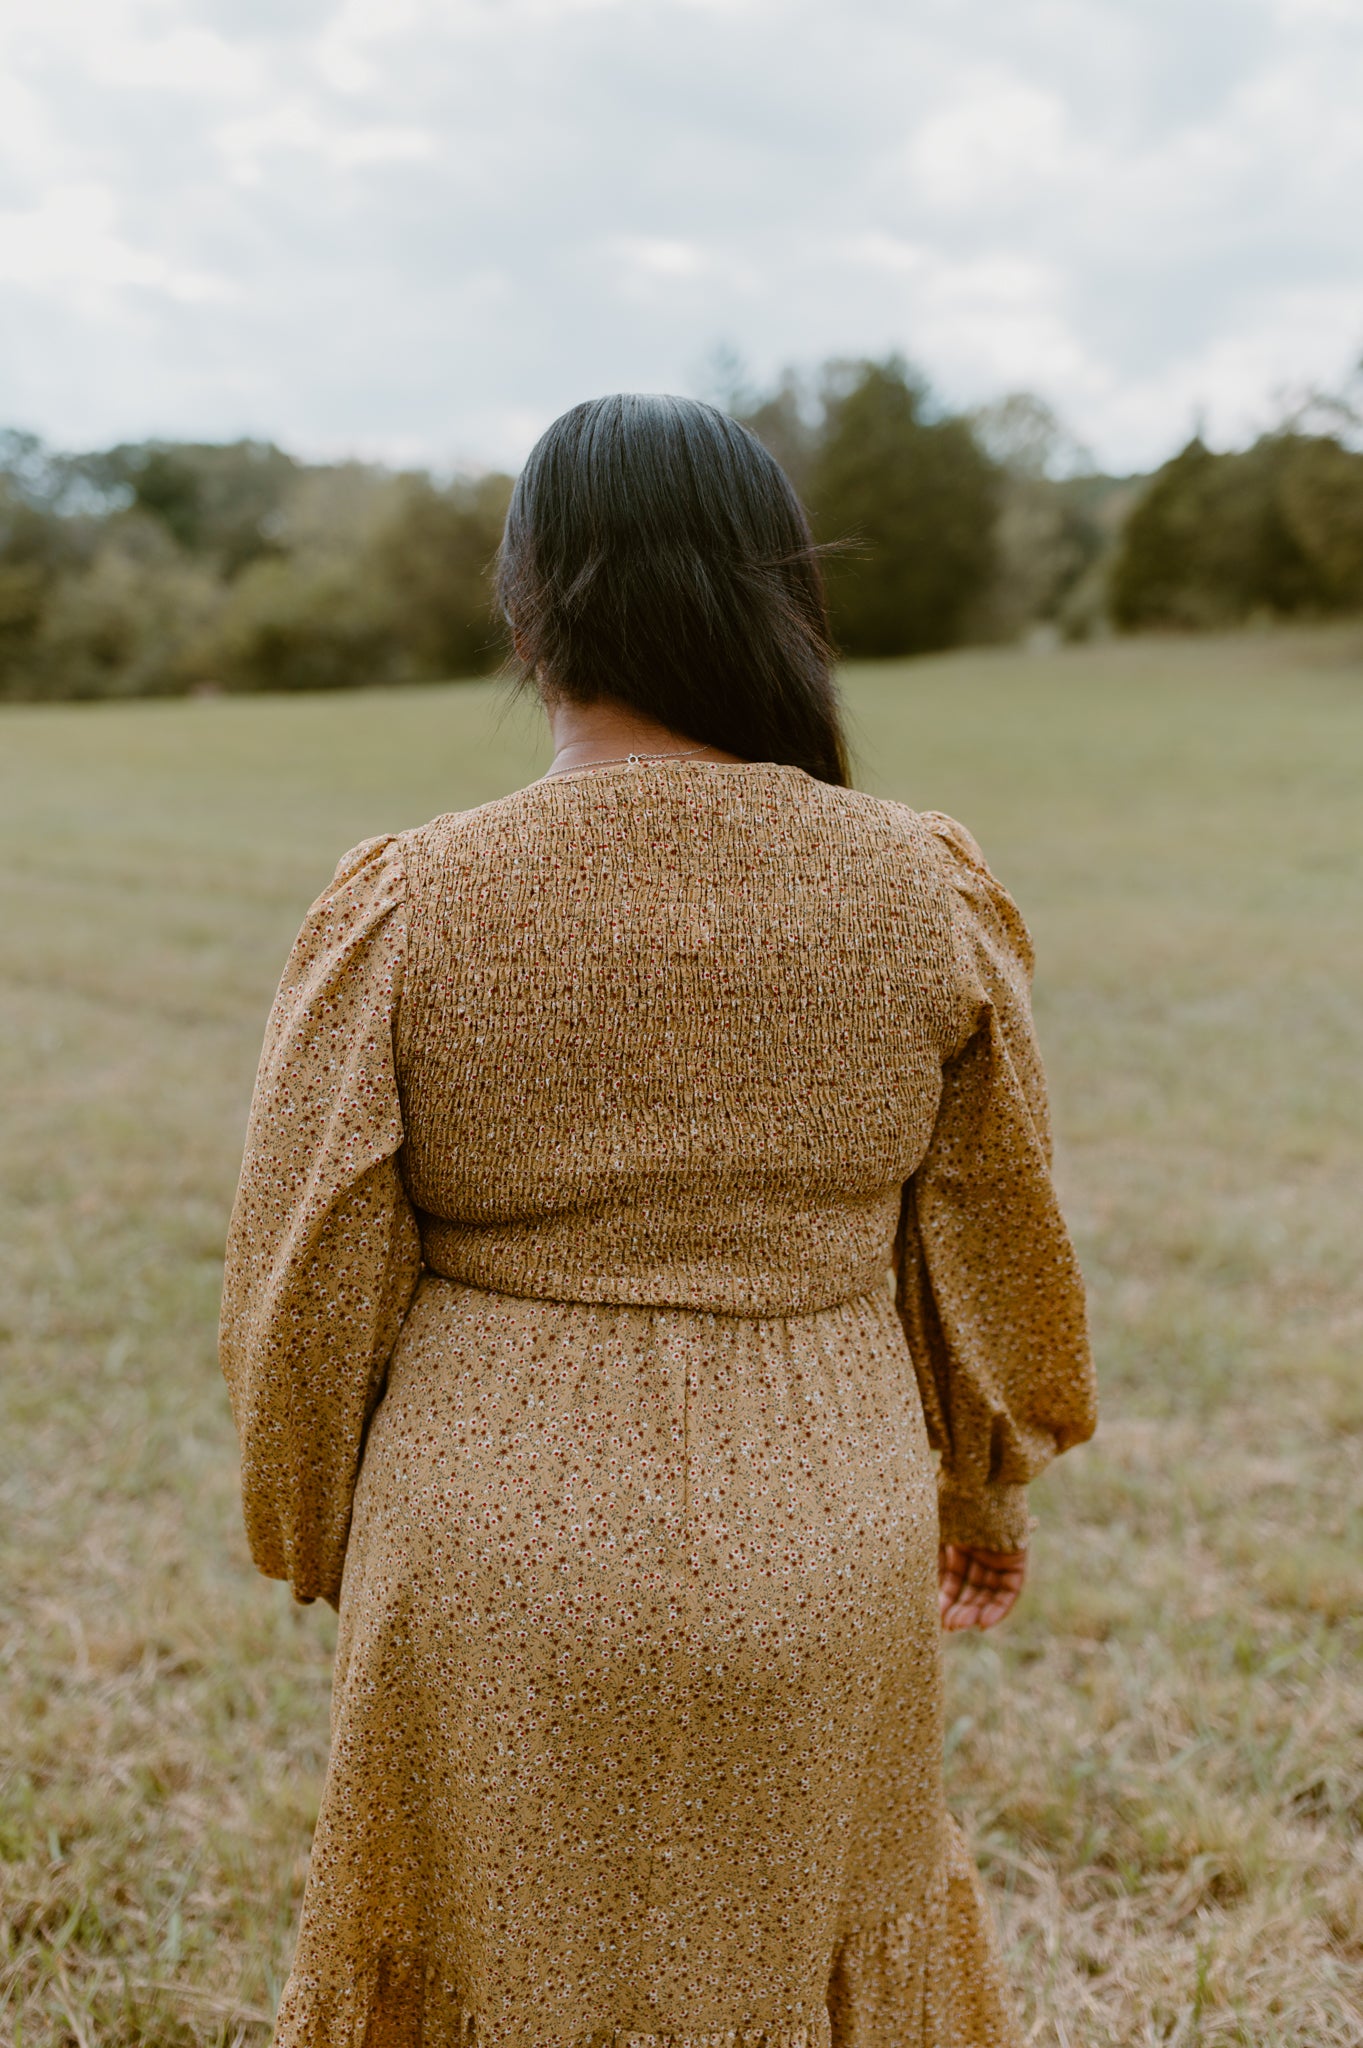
645 1245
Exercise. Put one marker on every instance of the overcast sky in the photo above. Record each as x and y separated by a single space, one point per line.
418 229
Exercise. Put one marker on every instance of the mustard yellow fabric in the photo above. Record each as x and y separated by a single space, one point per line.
646 1173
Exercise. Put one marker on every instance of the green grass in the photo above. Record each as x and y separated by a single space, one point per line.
1160 1758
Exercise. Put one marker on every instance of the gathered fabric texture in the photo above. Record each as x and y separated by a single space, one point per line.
645 1251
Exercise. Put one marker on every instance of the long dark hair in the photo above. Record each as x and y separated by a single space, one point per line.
655 553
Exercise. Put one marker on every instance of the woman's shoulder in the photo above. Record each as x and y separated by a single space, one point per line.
374 859
948 846
976 890
405 857
951 843
940 843
459 837
369 882
949 865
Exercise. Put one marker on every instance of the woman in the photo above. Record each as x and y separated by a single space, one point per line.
589 1128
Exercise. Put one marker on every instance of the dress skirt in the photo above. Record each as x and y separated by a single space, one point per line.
637 1722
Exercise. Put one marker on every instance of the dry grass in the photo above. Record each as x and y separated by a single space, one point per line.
1160 1759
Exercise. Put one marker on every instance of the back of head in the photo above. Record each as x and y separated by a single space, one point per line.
655 553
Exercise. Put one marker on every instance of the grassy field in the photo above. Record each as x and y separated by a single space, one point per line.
1160 1759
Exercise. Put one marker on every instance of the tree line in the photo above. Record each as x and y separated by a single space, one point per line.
161 567
158 568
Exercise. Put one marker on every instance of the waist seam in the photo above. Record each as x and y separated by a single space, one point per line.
671 1306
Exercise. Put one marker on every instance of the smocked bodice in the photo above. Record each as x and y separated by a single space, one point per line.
673 1034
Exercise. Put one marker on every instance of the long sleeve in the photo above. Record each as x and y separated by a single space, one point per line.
988 1286
323 1253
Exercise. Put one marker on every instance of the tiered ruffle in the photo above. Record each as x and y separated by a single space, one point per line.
930 1977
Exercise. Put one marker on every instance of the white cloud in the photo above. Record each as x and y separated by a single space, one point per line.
249 144
428 225
876 250
1295 13
1002 319
656 256
1001 137
660 270
70 244
129 43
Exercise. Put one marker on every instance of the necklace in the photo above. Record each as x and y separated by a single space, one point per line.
616 760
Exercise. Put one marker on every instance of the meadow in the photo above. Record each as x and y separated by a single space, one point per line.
1159 1759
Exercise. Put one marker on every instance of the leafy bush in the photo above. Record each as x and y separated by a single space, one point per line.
300 625
161 568
1217 538
130 623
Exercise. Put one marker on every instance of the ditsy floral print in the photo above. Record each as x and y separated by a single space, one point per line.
647 1174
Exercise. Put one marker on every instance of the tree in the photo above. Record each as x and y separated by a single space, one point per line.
1026 437
130 623
219 501
301 623
911 499
375 578
788 422
38 548
1046 539
1322 504
1277 528
433 558
1150 575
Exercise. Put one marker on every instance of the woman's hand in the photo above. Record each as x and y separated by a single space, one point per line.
977 1588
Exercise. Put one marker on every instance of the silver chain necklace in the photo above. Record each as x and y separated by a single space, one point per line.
617 760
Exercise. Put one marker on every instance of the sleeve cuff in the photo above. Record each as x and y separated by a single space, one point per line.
994 1519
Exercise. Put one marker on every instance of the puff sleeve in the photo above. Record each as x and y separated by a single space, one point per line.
987 1283
323 1253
